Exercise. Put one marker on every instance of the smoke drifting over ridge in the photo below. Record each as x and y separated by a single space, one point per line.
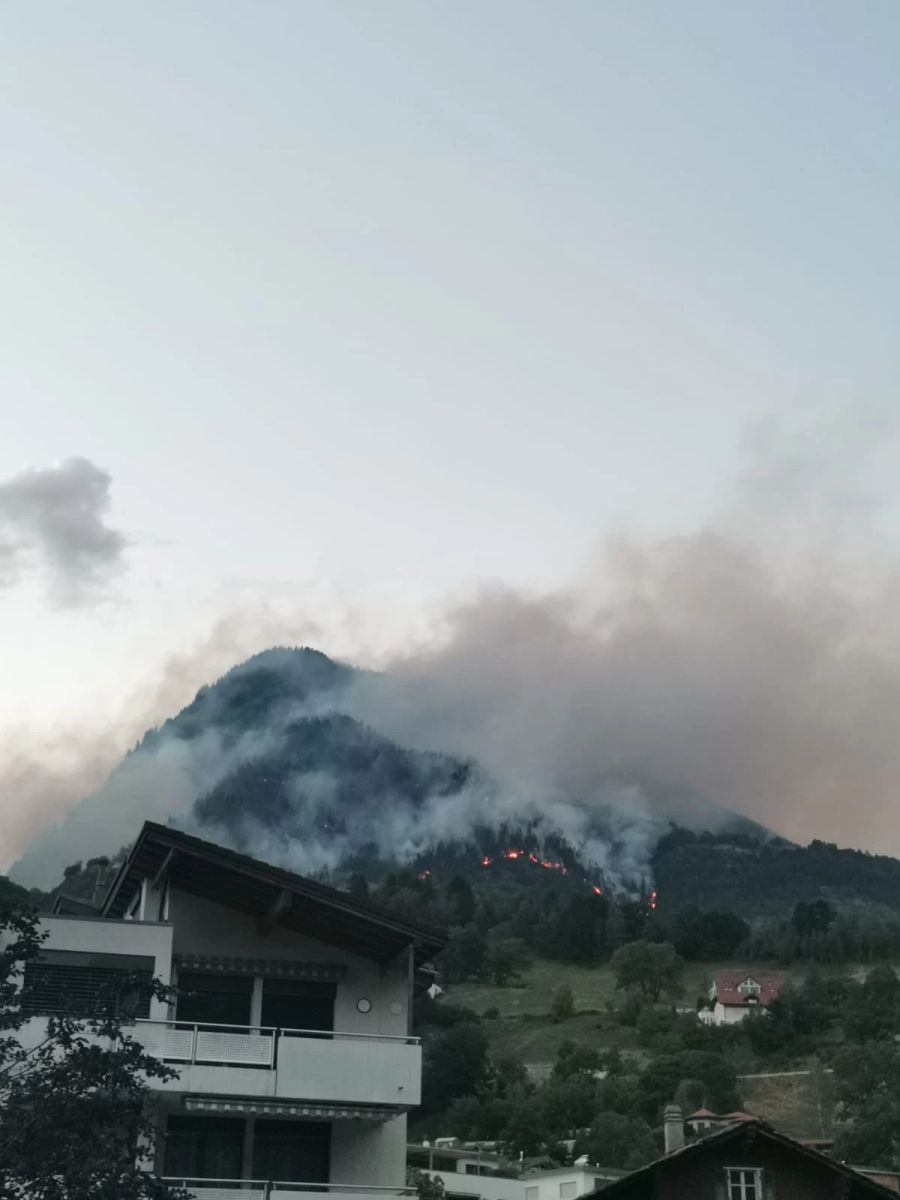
751 665
754 663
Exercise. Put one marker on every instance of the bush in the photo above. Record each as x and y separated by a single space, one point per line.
563 1006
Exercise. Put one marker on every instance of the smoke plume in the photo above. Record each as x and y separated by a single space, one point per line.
52 522
749 666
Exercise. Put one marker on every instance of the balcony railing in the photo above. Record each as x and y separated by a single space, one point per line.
259 1189
248 1046
180 1041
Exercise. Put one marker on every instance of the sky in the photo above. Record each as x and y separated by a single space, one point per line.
314 314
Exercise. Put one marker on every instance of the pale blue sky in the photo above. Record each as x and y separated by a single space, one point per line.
396 296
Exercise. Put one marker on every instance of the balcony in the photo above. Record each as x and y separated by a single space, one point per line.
255 1189
287 1064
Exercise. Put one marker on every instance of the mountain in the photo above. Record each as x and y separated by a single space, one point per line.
267 760
753 876
275 760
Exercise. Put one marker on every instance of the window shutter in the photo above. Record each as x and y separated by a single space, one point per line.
768 1185
721 1185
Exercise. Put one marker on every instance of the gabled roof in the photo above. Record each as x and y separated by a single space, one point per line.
726 984
753 1128
70 906
250 886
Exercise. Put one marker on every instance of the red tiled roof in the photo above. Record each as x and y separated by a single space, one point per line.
726 988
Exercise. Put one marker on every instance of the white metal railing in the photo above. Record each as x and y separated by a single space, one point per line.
403 1039
248 1046
182 1041
262 1189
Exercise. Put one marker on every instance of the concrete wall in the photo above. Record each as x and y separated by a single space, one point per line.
373 1155
488 1187
728 1014
340 1070
97 936
543 1185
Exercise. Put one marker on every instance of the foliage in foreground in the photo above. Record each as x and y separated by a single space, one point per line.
74 1107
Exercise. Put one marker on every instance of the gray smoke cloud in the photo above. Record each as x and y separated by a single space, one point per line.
53 522
753 664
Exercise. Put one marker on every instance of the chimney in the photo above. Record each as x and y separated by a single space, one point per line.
673 1128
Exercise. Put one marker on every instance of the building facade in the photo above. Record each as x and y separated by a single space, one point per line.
469 1172
735 995
292 1028
745 1161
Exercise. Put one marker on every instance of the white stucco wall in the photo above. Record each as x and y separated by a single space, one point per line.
97 936
327 1070
488 1187
728 1014
370 1155
544 1185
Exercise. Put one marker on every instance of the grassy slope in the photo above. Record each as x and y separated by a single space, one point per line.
799 1104
524 1031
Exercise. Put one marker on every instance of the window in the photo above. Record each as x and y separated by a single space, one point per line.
472 1169
296 1004
83 985
531 1193
744 1183
214 999
749 987
568 1190
292 1151
204 1147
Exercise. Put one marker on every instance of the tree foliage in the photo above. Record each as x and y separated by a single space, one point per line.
75 1104
651 968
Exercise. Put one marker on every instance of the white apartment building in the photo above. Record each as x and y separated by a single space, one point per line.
291 1032
471 1174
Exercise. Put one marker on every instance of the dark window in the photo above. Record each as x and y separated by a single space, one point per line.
291 1151
293 1004
214 999
84 985
204 1147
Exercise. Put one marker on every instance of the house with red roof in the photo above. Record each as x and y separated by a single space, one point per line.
734 995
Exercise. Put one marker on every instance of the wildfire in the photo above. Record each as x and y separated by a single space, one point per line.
516 854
